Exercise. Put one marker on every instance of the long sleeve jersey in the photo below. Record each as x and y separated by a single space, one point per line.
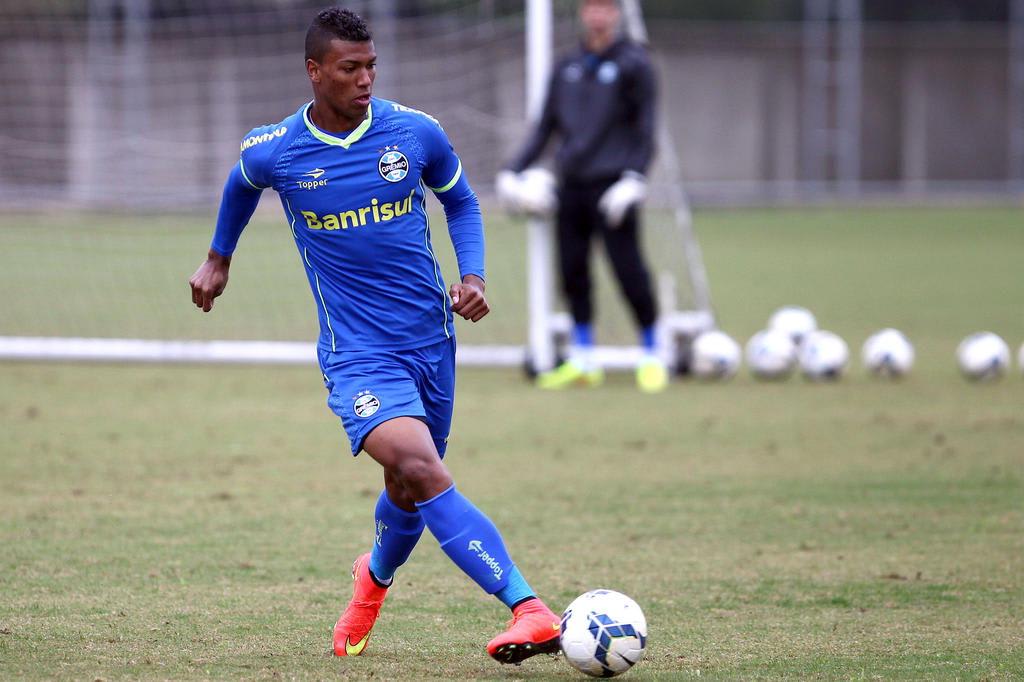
601 107
356 207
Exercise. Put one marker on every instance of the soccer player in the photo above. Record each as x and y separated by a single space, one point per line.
600 103
352 172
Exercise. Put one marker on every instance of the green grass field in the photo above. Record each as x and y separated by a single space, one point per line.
198 522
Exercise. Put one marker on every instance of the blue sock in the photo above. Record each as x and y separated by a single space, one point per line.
469 539
398 531
516 590
583 334
648 339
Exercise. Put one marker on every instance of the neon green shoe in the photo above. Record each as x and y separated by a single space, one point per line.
570 374
651 375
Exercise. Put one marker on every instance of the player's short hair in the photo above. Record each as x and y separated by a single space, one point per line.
331 23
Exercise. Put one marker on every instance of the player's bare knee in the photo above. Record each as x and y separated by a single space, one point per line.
412 469
422 476
397 493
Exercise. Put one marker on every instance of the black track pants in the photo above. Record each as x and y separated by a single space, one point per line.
578 221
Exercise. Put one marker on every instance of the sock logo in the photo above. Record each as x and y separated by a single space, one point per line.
381 527
477 547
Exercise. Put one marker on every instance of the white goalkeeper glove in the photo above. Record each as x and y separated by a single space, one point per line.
627 191
538 191
507 186
532 191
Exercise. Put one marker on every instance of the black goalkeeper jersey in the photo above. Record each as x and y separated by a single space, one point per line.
601 107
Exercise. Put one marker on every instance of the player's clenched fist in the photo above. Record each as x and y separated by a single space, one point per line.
468 298
209 280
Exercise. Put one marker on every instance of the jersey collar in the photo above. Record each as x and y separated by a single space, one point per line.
344 142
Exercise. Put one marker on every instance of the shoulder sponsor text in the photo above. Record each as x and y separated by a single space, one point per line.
254 140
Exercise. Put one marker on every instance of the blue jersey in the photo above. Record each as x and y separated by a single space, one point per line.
356 205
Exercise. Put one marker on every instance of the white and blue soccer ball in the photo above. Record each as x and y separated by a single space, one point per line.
771 354
715 355
888 353
794 320
983 356
604 633
823 356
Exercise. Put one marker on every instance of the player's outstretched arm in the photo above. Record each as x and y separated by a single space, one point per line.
443 174
236 208
468 298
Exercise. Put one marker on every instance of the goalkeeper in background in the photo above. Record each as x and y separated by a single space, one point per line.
601 104
352 172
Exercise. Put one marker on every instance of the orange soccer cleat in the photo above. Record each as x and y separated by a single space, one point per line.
352 631
533 630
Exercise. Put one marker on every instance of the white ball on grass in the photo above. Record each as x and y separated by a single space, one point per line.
603 633
983 356
888 353
796 321
823 356
771 354
715 355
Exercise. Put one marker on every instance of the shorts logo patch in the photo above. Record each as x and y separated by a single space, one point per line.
393 166
366 404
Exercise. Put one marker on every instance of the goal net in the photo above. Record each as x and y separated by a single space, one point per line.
119 120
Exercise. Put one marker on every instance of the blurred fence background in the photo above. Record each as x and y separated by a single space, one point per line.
142 103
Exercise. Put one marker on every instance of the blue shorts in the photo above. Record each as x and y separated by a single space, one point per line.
369 387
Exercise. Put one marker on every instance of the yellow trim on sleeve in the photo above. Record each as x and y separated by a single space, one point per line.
241 167
451 183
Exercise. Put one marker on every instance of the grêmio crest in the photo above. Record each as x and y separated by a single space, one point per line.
393 166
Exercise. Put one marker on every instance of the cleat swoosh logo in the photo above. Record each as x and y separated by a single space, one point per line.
357 648
315 173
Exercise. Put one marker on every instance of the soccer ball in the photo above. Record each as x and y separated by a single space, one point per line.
823 356
888 353
715 356
796 321
604 633
771 354
983 356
